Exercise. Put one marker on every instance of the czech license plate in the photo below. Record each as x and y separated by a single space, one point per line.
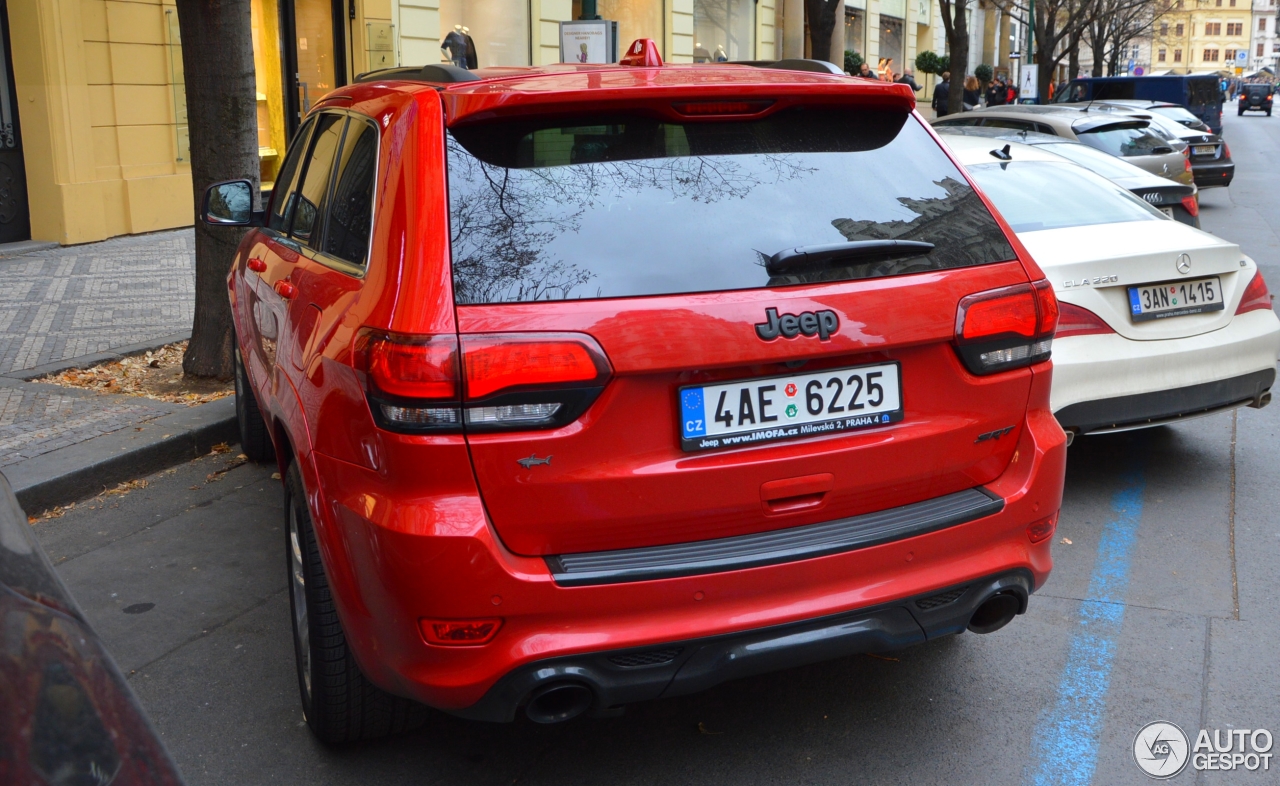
1203 150
1175 299
1168 211
755 411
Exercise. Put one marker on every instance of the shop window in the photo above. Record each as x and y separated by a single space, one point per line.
890 46
351 209
855 29
635 18
485 32
723 30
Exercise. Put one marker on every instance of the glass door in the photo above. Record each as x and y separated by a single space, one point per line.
315 49
15 216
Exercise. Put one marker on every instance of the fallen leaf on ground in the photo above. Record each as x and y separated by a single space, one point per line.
1066 541
880 657
217 474
156 375
275 475
221 447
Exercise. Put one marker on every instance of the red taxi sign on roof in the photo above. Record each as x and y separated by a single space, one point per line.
642 52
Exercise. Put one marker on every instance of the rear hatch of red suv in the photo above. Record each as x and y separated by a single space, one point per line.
704 318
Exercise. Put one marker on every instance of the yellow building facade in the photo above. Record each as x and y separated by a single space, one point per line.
1201 36
99 83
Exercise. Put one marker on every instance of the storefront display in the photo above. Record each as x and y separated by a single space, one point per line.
498 31
723 30
635 18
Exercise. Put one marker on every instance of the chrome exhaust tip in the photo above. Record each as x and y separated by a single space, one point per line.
1261 400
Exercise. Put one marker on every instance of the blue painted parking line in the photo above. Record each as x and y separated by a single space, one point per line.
1065 744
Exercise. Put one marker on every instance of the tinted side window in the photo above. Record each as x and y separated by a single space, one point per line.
282 193
314 188
351 207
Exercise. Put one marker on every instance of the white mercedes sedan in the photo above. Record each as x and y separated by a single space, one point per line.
1159 321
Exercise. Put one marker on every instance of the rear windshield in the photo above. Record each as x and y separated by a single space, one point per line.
1035 195
1176 113
627 206
1123 142
1095 160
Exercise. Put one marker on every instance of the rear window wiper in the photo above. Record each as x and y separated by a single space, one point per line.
792 260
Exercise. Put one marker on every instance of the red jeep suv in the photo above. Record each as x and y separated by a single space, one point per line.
596 384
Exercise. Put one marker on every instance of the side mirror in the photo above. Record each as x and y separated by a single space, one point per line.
230 203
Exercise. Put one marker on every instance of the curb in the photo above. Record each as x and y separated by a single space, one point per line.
85 469
85 361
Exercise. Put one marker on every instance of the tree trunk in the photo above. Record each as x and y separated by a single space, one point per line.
222 117
822 25
956 24
1073 58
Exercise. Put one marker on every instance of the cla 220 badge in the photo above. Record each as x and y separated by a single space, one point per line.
809 323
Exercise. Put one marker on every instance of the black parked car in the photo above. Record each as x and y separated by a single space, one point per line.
1177 200
1256 98
66 714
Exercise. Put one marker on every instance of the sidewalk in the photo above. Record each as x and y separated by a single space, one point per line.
75 306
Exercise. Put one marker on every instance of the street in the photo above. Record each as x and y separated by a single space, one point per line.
1161 606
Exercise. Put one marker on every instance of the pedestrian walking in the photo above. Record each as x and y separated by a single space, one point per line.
941 94
998 93
907 78
971 95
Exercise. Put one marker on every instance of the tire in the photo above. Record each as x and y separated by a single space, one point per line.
1239 113
339 704
255 439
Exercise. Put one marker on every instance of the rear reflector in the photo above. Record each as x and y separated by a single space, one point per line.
1006 328
1255 297
459 633
1191 204
1076 321
1042 529
492 382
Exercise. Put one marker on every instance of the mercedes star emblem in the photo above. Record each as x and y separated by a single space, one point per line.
1183 264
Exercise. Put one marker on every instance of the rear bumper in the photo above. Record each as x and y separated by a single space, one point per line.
1212 174
1107 382
620 677
395 557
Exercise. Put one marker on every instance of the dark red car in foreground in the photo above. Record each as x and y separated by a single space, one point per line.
597 384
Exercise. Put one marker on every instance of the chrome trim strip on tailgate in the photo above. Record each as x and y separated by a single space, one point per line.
770 548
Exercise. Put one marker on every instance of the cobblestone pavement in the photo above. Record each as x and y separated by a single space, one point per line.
69 302
60 304
37 418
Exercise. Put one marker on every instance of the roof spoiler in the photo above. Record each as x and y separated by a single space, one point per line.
794 64
440 73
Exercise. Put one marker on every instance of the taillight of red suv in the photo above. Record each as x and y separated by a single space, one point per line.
485 382
1006 328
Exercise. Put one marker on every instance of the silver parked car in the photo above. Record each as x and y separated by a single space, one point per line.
1125 137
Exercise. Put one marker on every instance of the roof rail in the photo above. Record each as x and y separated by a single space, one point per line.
794 64
429 73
